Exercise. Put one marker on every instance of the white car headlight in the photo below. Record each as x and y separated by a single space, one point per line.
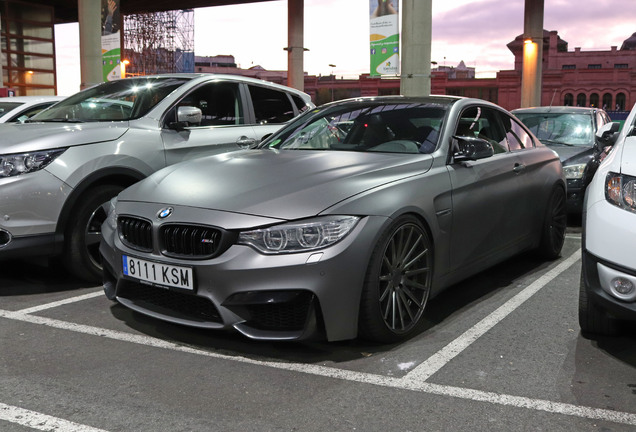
299 236
16 164
620 190
574 171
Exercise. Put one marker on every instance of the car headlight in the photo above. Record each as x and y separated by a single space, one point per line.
574 171
620 190
299 236
16 164
111 217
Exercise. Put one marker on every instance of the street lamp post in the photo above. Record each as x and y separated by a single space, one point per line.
333 79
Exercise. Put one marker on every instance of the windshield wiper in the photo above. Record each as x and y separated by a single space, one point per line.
548 141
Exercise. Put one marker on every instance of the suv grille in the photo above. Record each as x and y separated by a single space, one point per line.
189 241
135 233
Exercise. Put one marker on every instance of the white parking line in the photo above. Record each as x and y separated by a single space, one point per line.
39 421
438 360
414 381
61 302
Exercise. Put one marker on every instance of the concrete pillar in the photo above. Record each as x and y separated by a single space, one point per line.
532 54
90 33
295 48
415 71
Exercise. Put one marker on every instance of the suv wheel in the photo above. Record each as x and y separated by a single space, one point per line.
84 232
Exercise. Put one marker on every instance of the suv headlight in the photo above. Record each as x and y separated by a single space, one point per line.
620 190
16 164
299 236
574 171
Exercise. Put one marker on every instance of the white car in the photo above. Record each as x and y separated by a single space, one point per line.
608 273
20 108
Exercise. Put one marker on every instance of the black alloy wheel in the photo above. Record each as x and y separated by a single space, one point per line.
398 283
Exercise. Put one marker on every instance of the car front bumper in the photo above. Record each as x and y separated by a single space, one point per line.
609 234
30 205
273 297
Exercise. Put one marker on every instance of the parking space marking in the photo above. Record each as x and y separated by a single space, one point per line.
61 302
413 381
39 421
423 371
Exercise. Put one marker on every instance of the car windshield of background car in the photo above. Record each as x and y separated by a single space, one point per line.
125 99
392 128
565 129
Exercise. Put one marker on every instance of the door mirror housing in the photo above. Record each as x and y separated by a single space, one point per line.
471 148
607 134
187 116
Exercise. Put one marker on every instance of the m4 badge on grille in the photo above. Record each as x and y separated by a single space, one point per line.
164 213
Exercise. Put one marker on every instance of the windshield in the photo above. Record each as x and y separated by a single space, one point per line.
124 99
560 128
391 128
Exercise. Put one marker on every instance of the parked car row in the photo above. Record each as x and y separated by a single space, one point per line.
59 169
221 202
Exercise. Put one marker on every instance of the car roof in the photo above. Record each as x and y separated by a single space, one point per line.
207 76
34 99
557 110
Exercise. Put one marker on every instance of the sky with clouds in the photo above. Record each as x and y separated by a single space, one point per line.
337 32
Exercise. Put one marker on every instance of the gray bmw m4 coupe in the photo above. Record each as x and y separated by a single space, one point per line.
341 225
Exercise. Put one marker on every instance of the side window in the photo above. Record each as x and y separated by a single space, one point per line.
300 104
271 106
483 122
518 138
30 112
219 103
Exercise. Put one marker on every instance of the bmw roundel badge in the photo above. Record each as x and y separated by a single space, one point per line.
164 213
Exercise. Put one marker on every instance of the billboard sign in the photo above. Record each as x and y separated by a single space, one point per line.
384 37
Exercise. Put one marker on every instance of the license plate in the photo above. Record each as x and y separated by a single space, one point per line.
158 273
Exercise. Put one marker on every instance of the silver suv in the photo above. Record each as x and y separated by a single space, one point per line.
59 170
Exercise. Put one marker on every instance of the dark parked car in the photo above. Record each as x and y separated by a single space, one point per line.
571 132
342 224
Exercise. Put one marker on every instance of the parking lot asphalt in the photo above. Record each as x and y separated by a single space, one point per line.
501 351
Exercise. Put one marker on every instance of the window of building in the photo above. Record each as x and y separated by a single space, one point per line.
620 102
607 102
568 66
594 100
594 66
581 100
621 66
568 99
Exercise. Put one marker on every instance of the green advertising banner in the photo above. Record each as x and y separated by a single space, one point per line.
384 37
111 40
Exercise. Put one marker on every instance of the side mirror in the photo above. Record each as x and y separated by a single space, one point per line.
187 116
472 148
607 134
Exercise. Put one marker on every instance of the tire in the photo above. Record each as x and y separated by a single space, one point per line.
397 283
592 319
83 233
554 225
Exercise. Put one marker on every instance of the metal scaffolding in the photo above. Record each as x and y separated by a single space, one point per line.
159 42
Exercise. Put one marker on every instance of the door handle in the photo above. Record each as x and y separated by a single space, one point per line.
245 142
519 168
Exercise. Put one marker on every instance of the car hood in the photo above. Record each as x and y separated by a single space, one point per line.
18 138
288 184
571 155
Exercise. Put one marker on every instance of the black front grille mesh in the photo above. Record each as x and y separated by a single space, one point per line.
171 302
189 241
135 233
